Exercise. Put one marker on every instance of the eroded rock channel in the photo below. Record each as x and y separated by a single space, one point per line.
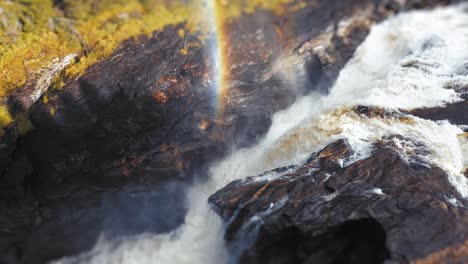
115 152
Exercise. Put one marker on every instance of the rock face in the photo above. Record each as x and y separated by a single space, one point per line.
120 141
114 150
382 208
456 113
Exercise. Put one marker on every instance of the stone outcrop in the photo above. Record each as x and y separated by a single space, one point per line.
113 151
456 113
382 208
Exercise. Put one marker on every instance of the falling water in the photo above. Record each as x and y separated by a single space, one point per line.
405 63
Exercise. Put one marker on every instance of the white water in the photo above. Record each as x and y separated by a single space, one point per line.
375 76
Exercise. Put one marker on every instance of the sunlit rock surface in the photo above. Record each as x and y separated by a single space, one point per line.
384 207
113 151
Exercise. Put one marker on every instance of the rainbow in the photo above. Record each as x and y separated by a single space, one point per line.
218 53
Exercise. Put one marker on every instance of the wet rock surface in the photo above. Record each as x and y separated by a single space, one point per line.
109 152
456 113
114 150
381 208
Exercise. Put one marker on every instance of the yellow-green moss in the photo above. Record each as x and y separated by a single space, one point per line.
34 32
57 82
28 41
5 117
234 8
23 123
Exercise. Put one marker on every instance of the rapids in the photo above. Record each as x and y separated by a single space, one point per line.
407 62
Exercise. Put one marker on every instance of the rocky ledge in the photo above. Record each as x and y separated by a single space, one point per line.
385 208
113 150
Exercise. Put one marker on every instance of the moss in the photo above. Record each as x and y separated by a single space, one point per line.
181 33
58 81
28 41
5 117
34 32
23 123
234 8
110 27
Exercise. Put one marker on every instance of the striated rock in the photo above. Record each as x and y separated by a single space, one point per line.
381 208
107 147
114 150
294 54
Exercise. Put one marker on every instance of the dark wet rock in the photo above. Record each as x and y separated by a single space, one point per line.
309 47
114 148
381 208
384 113
109 152
250 129
456 113
317 80
8 140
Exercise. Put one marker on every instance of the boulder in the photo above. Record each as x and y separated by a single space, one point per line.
113 151
384 208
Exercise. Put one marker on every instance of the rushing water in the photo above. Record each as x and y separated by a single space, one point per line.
405 63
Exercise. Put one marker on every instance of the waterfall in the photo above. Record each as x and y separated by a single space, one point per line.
408 61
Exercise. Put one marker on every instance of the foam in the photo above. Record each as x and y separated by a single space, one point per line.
405 63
